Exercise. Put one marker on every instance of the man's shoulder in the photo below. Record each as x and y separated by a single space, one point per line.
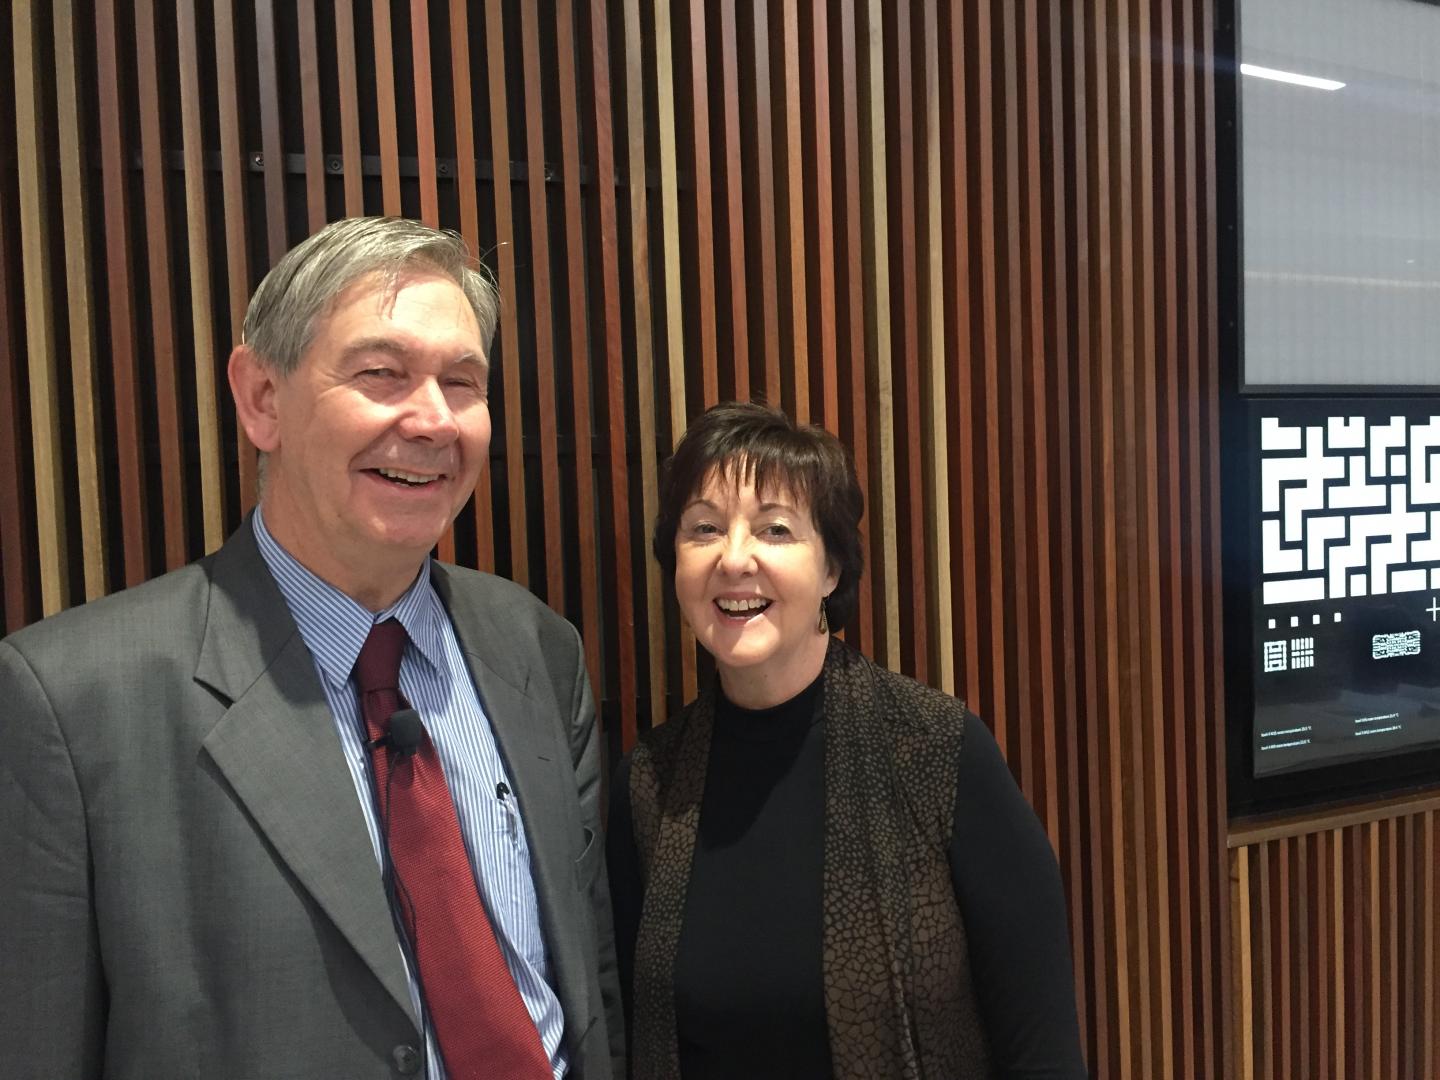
165 606
504 599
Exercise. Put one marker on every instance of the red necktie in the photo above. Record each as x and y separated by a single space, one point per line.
478 1015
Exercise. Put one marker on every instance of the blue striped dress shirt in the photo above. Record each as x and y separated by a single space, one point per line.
437 684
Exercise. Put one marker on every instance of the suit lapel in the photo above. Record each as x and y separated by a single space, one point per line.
277 747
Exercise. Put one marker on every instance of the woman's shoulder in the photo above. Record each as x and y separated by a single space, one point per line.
907 704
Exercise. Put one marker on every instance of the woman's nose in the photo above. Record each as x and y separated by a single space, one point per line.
737 552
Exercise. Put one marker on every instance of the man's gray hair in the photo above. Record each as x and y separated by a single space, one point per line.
281 320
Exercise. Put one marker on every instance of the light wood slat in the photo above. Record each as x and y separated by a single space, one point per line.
1391 912
823 155
312 128
670 217
1045 781
541 314
765 177
509 313
1266 1019
1404 944
1321 953
237 261
45 419
911 570
878 379
622 603
799 357
482 505
17 551
424 111
76 218
934 426
114 168
568 60
654 601
994 705
272 140
385 107
739 360
349 98
704 205
212 474
1284 1016
1243 1018
160 300
856 350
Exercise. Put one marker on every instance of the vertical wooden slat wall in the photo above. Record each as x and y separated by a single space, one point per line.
1333 936
975 238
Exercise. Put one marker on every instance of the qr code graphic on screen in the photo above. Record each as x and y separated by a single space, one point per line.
1349 507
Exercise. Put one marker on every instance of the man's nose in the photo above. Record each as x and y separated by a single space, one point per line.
429 415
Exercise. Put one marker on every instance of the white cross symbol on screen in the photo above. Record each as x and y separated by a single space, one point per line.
1434 608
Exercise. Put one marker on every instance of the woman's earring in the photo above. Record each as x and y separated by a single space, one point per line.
822 625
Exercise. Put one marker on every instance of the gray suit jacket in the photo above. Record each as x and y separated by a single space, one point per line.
187 888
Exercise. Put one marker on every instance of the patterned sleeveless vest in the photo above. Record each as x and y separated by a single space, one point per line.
899 1001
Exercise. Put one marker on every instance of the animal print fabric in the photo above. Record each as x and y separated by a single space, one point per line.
898 995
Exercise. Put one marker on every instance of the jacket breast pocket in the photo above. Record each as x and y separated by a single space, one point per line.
587 866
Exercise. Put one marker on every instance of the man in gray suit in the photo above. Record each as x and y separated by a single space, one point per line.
230 848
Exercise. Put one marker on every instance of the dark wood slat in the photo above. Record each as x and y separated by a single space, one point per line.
765 183
858 406
272 140
541 316
509 313
314 132
124 372
799 357
385 108
79 308
424 111
699 121
824 192
212 475
237 259
739 360
879 369
910 491
161 302
585 495
349 99
653 597
615 362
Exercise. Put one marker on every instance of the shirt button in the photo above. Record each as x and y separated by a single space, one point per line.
407 1060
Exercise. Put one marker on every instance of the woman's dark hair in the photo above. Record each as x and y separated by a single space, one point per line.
750 442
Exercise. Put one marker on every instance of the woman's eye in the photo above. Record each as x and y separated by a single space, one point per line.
703 528
776 530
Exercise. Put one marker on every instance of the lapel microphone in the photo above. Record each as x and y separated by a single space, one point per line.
404 736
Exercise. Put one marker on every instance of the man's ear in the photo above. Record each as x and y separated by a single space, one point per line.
253 384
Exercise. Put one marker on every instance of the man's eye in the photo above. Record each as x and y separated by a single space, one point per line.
380 373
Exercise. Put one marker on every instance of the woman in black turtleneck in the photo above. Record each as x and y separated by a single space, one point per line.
819 868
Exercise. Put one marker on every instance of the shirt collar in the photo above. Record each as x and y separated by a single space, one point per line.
334 626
